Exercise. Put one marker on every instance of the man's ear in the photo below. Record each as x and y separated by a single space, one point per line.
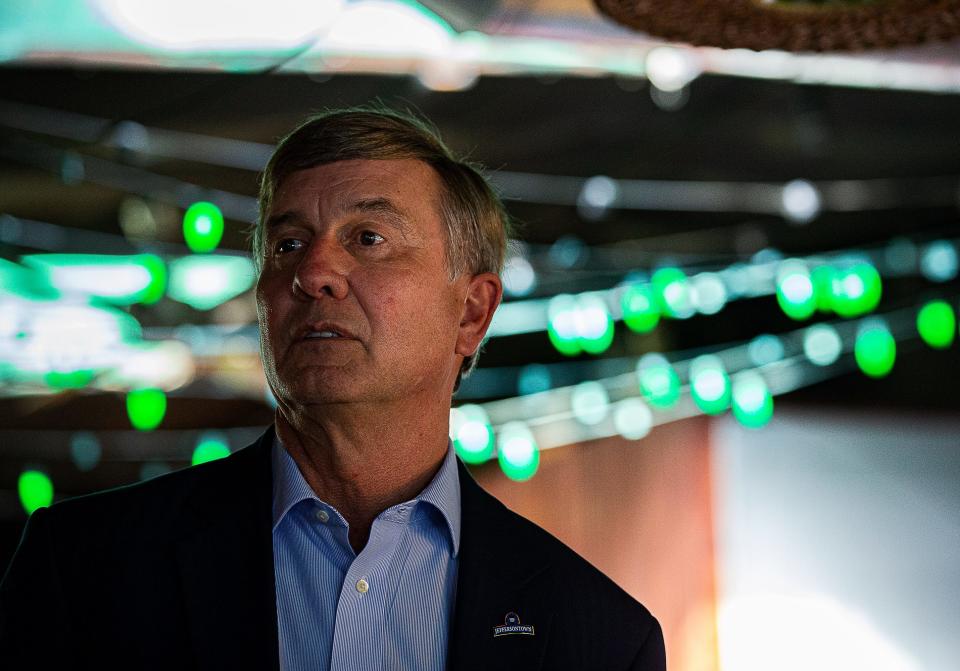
484 292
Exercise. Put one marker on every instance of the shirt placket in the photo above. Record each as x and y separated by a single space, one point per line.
365 596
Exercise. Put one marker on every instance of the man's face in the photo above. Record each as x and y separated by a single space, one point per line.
354 300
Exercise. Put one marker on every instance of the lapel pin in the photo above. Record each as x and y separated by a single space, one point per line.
511 625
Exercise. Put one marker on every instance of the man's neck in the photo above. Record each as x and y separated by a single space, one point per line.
363 463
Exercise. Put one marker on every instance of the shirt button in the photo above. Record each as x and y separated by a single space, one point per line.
322 515
362 586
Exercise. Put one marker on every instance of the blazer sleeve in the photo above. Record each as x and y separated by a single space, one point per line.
652 654
34 629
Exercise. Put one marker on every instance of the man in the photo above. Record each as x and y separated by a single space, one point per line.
349 536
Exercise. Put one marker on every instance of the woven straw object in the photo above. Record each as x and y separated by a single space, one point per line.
852 25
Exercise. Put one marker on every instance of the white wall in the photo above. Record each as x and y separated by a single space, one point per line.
838 542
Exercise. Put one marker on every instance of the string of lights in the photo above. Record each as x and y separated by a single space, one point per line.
740 378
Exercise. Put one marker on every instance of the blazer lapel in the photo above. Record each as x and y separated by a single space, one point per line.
226 566
497 576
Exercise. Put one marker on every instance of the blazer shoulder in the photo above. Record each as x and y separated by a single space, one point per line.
161 504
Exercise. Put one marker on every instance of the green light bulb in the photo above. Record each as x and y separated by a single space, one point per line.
658 381
123 280
73 379
562 325
856 290
795 290
209 449
823 277
937 324
672 290
594 324
752 400
204 282
158 278
202 227
875 350
146 408
709 384
471 433
35 489
640 311
517 451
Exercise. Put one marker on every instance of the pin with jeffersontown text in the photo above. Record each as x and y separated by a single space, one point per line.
511 625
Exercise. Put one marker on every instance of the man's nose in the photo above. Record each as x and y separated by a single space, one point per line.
322 272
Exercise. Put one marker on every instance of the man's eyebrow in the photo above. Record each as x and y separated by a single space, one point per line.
281 218
385 207
382 206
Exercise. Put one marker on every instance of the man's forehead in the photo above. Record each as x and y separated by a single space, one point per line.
397 189
361 179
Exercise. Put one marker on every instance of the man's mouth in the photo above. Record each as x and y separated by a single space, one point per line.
323 334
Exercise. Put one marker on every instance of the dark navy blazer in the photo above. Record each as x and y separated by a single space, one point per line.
177 573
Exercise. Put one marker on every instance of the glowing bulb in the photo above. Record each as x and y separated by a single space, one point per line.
210 448
202 227
593 323
35 490
938 262
709 384
658 381
800 201
146 408
519 277
590 402
752 400
673 292
517 451
632 418
765 349
795 290
471 433
875 349
562 324
710 292
640 311
822 344
937 324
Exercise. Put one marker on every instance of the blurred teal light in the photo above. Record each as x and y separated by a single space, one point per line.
752 400
795 290
658 381
590 402
517 451
471 433
672 290
204 282
709 384
640 310
122 280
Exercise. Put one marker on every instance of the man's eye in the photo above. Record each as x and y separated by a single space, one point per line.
287 245
369 238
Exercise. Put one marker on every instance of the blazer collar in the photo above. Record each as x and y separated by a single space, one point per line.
501 570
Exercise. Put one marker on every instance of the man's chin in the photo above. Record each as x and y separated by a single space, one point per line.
307 391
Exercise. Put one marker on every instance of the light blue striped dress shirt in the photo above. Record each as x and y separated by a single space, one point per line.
387 608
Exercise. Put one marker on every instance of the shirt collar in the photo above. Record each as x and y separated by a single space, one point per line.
442 492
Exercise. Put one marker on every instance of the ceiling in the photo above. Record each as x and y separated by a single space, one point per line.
898 149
